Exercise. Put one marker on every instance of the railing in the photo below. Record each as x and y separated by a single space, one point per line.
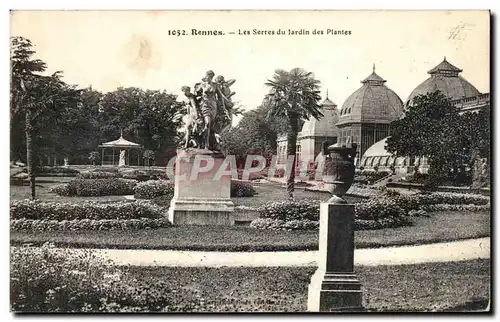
474 100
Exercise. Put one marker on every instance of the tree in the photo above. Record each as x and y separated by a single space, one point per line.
148 155
93 157
433 127
145 116
254 134
34 96
293 96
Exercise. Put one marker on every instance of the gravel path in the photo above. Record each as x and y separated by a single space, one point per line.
440 252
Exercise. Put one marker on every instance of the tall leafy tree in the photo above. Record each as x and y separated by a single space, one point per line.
254 134
435 128
293 96
34 96
145 116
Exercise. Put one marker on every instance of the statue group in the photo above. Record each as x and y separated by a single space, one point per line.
209 112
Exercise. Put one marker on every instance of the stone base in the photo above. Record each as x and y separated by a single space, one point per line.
204 197
199 211
334 292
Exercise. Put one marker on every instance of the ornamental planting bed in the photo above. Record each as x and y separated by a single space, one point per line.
46 281
440 227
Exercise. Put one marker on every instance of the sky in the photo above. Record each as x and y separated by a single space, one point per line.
108 49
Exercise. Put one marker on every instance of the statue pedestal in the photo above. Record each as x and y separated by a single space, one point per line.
200 198
334 286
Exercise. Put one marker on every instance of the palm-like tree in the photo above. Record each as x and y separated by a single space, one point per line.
293 96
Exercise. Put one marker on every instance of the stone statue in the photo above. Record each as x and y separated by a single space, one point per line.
121 162
191 119
209 112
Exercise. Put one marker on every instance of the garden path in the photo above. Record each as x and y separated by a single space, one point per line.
440 252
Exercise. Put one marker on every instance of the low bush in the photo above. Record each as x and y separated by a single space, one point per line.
277 224
153 188
96 187
104 169
39 225
97 175
242 189
47 280
369 176
38 210
448 207
288 210
387 211
144 174
56 169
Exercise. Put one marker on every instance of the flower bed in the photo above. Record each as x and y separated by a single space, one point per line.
153 188
387 211
39 210
39 225
96 187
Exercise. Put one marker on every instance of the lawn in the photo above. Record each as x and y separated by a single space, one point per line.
453 286
275 192
441 226
266 192
43 185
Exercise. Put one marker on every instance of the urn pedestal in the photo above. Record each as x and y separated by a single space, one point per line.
334 286
200 196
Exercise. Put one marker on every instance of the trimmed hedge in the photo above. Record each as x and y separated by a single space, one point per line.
38 210
56 169
448 207
97 175
104 169
96 187
87 224
153 188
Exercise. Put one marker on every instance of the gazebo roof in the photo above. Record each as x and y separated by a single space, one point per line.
121 143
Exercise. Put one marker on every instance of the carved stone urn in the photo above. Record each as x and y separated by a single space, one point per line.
339 170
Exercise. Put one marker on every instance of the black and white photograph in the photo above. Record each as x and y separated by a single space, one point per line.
185 161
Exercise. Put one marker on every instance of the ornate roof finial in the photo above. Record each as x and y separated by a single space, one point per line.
374 67
121 133
327 93
444 58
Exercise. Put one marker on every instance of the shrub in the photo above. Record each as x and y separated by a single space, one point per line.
97 175
144 174
96 187
49 280
288 210
56 169
369 176
104 169
242 189
153 188
378 209
87 224
448 207
38 210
